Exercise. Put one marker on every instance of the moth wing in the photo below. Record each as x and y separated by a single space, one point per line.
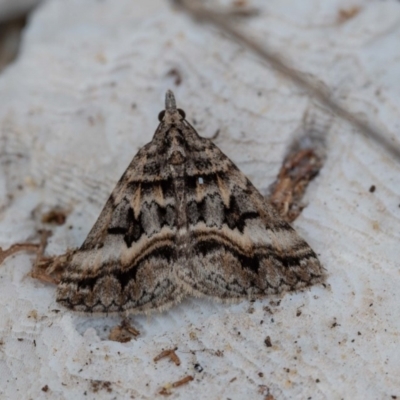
127 258
239 246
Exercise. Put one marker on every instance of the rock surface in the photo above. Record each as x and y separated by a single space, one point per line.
84 96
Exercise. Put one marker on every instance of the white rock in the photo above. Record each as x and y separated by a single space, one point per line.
84 96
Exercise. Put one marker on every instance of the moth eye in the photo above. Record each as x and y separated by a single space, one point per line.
161 115
182 113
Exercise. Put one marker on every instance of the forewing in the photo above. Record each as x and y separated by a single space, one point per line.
126 261
239 246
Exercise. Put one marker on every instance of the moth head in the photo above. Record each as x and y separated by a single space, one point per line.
182 114
171 112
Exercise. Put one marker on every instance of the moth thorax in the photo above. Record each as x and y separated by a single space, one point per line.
176 151
177 156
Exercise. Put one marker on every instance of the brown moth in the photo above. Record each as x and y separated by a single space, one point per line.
183 220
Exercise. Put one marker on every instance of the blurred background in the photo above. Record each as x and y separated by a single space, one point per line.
13 16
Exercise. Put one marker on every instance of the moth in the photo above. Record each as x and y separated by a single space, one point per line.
183 220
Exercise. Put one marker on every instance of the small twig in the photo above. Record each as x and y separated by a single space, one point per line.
276 61
30 247
56 216
298 169
17 247
123 333
166 390
302 163
50 269
42 246
168 353
182 381
128 327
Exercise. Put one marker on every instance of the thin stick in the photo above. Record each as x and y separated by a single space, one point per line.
17 247
42 247
170 354
183 381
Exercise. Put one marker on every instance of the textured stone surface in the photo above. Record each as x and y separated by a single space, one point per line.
84 96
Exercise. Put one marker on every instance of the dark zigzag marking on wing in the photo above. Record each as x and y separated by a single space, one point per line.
144 253
251 262
233 216
167 252
135 229
147 186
